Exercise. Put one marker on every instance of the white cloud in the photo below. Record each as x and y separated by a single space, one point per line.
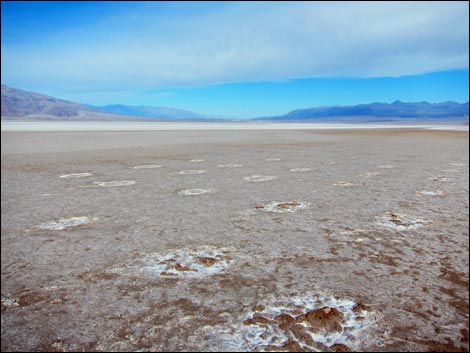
249 41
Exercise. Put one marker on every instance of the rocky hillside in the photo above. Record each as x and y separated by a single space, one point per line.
19 103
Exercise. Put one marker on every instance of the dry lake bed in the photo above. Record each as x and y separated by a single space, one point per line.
235 240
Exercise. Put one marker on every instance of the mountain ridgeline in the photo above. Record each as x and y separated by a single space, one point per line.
393 111
149 111
18 104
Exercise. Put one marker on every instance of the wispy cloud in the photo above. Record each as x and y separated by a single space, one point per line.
147 47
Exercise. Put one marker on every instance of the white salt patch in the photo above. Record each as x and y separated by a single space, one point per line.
449 170
439 178
230 165
258 336
371 174
65 223
6 302
272 159
197 160
400 221
386 166
457 164
147 166
76 175
344 184
430 193
199 262
259 178
354 232
189 172
108 184
192 192
300 169
281 207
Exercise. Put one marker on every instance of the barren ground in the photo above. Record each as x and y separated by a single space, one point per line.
235 240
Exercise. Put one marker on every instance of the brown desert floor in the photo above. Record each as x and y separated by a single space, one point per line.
367 249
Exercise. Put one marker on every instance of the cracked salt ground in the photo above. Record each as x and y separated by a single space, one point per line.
66 223
400 221
107 184
317 323
194 171
203 261
76 175
300 169
230 165
193 192
259 178
147 166
280 207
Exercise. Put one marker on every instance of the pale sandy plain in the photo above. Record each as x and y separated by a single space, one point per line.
276 240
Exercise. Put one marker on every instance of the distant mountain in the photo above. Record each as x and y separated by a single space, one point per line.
377 112
150 112
18 103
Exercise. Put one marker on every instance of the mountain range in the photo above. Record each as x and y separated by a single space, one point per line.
378 111
149 112
18 104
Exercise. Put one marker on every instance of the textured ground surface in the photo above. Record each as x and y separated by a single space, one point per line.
235 240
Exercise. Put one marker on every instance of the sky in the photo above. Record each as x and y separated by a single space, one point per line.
237 59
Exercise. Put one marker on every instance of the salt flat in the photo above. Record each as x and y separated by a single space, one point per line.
148 126
347 254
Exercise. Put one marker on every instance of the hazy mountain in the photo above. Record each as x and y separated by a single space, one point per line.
378 111
18 103
149 111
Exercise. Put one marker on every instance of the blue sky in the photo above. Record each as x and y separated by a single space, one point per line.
237 59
